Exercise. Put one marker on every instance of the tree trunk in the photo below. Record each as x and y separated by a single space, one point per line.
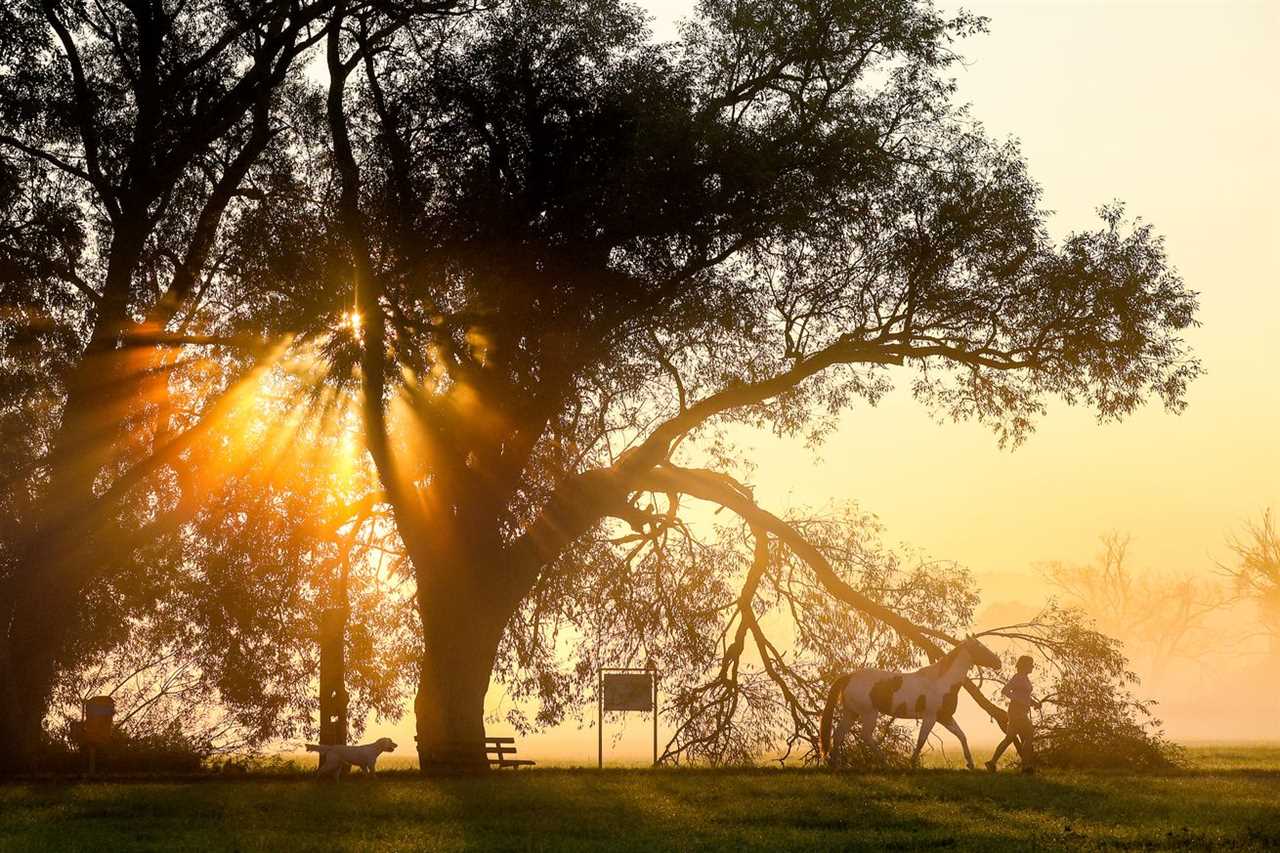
333 676
73 540
44 608
24 698
462 624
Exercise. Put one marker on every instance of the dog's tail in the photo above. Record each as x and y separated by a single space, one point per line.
828 714
318 747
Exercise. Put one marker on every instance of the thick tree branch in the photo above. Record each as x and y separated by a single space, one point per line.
846 350
723 490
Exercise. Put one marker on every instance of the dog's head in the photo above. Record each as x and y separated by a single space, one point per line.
386 744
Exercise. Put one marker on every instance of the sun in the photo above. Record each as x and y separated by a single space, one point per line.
353 321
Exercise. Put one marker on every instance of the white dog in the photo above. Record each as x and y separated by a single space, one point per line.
337 758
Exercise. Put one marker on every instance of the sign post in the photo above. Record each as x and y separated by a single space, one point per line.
626 689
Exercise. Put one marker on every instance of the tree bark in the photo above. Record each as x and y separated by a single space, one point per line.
464 613
333 675
21 715
69 546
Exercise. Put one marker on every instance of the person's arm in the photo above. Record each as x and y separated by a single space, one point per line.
1035 703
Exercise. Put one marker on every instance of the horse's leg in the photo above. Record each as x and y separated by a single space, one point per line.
868 732
869 720
952 726
841 732
926 726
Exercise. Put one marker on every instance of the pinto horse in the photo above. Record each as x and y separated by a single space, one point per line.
929 695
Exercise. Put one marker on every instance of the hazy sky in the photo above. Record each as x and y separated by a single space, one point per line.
1172 108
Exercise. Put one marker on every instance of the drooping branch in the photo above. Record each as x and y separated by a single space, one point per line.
719 697
721 489
48 157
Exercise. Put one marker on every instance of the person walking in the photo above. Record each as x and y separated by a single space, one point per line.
1019 733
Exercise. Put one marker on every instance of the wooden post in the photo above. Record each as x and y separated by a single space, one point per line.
653 673
600 720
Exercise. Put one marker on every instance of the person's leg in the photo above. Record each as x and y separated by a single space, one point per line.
1020 730
1003 745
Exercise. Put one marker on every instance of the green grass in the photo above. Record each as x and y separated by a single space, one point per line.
1230 798
1234 756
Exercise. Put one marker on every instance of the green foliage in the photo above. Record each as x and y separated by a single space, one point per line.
163 751
1090 717
1095 723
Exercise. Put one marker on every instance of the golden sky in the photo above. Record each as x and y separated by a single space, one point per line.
1172 108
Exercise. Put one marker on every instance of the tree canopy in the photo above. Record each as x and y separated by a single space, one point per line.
545 260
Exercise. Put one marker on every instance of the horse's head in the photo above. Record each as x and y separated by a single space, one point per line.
980 654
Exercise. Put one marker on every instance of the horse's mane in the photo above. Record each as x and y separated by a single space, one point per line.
943 662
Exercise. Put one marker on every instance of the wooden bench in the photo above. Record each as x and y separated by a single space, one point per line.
499 748
498 752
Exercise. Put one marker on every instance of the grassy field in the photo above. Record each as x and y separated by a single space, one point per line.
1230 798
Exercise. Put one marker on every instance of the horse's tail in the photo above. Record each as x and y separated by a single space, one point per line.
828 715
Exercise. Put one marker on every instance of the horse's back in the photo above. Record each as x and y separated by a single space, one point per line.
895 694
868 690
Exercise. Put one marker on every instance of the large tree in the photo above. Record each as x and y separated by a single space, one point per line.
551 260
574 254
129 133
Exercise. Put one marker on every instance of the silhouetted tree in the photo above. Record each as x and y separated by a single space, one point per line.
128 133
567 257
1257 571
572 249
1090 716
1161 616
230 649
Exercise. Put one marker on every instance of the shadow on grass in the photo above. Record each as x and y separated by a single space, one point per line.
686 809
